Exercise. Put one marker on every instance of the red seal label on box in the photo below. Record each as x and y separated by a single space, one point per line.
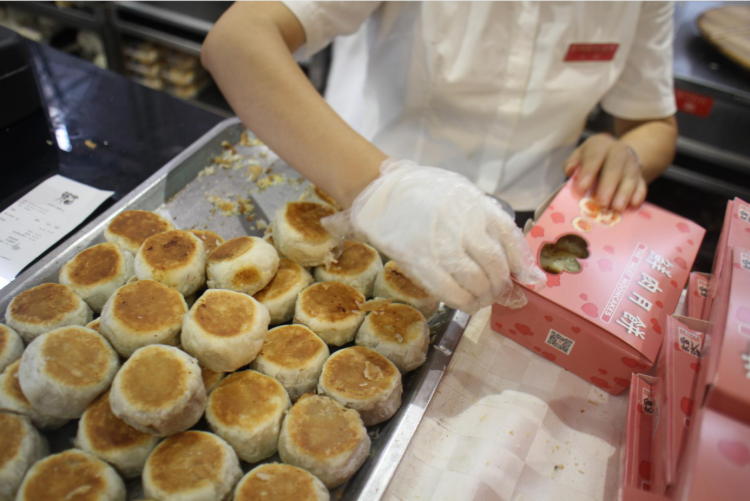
591 52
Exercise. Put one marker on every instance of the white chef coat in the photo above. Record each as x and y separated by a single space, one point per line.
482 88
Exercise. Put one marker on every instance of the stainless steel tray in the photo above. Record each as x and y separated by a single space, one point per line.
177 191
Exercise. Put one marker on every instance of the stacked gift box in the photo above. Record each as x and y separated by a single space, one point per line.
692 440
621 309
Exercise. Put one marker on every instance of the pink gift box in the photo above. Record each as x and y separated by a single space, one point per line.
628 493
697 296
635 455
729 388
716 463
606 320
734 233
678 395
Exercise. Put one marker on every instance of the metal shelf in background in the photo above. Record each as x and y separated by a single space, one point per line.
698 63
71 17
706 183
717 156
189 47
184 25
196 17
179 25
97 21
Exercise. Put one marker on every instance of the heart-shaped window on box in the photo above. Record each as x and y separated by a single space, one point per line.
564 254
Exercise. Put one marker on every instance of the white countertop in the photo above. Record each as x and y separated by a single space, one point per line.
506 424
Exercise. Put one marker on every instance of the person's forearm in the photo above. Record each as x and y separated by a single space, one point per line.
654 142
249 54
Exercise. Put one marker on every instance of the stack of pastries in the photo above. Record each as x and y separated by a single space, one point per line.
270 343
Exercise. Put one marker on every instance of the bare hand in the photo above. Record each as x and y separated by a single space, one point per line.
612 168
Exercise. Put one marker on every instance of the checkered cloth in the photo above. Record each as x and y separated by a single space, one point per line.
506 424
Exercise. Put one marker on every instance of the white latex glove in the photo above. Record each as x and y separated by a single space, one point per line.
444 233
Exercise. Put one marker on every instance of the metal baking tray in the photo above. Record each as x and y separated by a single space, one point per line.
178 191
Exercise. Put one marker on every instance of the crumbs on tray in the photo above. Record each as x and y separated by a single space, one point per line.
228 207
229 159
267 181
208 171
254 171
249 140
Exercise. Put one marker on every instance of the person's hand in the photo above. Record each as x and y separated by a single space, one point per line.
444 233
612 168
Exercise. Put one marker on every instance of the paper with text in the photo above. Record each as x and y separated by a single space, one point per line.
39 219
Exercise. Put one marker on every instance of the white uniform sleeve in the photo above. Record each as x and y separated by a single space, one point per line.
323 21
645 89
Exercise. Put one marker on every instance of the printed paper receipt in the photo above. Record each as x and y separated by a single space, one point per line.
40 218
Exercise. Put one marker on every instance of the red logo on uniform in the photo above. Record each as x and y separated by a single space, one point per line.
591 52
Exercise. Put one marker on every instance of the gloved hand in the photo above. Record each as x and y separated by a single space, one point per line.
444 233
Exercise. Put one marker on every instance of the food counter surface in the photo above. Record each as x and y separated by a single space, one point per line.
507 424
103 130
